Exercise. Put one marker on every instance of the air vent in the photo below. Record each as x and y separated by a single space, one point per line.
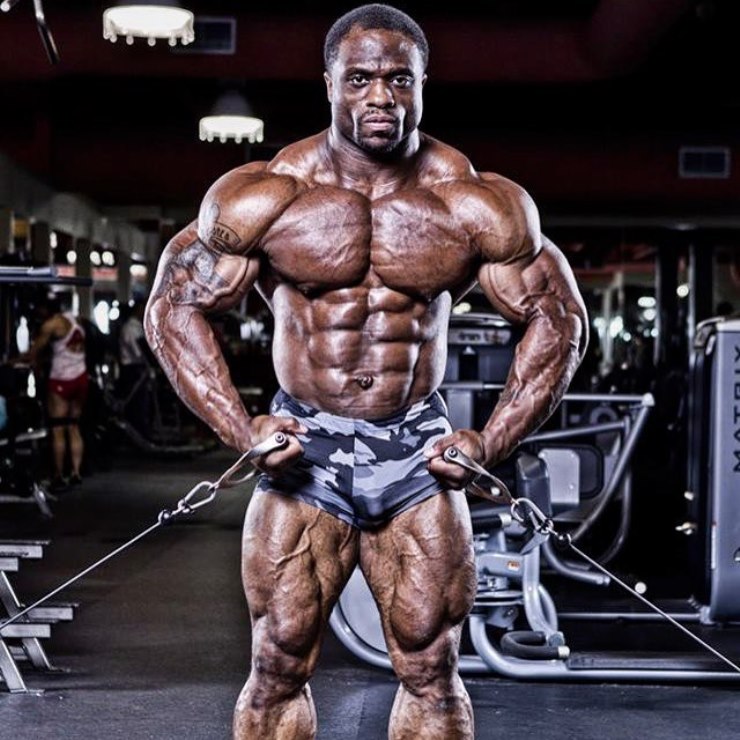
213 35
704 162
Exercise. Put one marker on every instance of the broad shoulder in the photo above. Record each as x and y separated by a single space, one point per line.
249 179
501 216
302 161
444 167
242 204
441 164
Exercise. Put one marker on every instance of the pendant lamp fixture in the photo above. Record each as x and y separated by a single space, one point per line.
156 19
232 118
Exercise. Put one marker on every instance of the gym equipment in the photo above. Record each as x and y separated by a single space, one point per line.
20 442
554 491
23 641
714 468
480 347
166 435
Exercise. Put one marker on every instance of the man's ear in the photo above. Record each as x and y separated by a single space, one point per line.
329 85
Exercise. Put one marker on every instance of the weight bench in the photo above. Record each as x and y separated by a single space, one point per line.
21 641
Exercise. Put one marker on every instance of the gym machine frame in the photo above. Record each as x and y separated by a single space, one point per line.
509 562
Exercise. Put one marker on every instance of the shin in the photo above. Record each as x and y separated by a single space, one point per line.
276 700
431 701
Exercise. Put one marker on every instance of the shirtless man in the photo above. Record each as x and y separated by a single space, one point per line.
360 239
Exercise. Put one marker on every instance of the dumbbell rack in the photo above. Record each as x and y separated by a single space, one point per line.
21 641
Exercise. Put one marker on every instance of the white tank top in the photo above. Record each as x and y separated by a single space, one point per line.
68 363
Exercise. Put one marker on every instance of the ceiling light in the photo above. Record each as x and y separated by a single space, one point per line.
151 21
231 118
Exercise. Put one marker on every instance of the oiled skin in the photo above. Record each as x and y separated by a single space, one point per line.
361 239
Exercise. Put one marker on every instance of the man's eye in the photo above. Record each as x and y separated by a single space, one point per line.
403 81
357 80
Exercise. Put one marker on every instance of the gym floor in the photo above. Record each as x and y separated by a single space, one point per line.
159 645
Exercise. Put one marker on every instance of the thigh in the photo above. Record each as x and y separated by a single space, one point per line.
57 405
78 399
296 560
421 570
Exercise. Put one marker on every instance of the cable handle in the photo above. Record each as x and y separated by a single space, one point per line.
499 492
189 503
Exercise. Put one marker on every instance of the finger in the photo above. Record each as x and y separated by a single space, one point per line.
437 448
448 471
283 458
290 425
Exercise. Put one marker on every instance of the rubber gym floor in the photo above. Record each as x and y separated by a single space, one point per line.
159 644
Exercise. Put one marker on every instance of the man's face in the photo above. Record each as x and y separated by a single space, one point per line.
374 88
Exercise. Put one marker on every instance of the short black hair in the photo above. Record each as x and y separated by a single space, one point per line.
374 15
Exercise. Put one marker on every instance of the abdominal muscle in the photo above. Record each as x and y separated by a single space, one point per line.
363 352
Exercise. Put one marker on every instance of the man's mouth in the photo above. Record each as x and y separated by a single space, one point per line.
379 123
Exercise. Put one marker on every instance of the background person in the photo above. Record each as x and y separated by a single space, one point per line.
361 238
66 388
133 368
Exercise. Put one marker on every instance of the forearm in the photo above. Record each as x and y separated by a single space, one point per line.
185 346
544 363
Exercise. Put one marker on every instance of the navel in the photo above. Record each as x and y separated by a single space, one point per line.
364 381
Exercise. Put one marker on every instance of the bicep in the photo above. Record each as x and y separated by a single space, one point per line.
541 285
191 273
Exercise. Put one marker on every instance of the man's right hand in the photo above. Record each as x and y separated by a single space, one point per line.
262 427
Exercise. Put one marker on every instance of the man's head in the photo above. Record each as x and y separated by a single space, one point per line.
374 15
375 57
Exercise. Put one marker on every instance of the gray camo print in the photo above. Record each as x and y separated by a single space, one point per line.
363 472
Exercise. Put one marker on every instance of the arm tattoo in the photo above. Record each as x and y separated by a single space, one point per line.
191 279
220 236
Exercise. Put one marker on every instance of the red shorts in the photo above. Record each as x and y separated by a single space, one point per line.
70 390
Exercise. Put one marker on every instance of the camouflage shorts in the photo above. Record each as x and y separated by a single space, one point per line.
363 472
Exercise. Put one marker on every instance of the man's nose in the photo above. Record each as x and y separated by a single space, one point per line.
380 94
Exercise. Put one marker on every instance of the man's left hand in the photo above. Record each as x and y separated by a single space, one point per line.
451 475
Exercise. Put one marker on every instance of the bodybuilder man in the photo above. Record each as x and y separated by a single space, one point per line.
361 238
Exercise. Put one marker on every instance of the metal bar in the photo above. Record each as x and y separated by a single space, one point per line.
25 629
556 669
9 564
9 670
478 385
36 654
52 614
626 616
47 39
607 426
31 550
623 460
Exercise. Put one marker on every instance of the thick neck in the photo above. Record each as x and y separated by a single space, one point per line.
357 167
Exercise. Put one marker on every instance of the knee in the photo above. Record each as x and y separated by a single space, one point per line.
277 676
282 664
59 432
431 670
